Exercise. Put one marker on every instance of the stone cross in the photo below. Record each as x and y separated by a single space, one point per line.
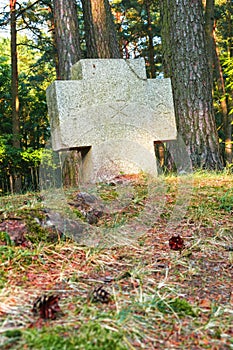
112 114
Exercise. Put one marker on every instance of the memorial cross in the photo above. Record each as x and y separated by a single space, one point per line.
112 114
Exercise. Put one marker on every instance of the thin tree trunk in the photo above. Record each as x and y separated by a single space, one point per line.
150 39
216 74
14 77
229 119
226 121
229 28
186 58
14 91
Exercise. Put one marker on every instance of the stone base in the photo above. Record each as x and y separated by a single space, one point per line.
105 162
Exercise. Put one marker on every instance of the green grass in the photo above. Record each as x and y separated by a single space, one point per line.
88 336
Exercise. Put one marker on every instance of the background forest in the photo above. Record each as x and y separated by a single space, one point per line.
30 60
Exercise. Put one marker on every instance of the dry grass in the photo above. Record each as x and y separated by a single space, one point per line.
160 299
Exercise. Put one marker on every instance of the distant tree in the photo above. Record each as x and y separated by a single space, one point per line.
151 53
138 28
34 76
185 54
14 90
222 63
216 77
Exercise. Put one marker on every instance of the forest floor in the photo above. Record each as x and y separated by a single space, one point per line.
117 283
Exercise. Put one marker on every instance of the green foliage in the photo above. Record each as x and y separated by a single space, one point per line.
14 333
4 237
13 336
227 64
5 86
180 306
25 162
35 74
227 201
132 24
223 34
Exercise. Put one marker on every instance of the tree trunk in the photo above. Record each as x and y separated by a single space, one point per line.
101 42
14 91
14 77
51 26
68 53
217 75
151 52
185 55
228 118
209 30
67 36
91 46
229 28
100 33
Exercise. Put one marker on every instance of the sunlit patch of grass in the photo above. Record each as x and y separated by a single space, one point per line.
90 335
16 256
180 306
226 201
5 238
3 278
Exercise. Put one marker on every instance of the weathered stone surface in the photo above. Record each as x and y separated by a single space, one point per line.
112 108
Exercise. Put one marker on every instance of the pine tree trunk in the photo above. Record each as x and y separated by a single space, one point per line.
68 53
228 120
101 39
16 184
91 46
67 36
209 30
151 52
185 55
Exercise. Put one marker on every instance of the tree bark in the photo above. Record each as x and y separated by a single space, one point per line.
68 53
185 56
100 33
14 77
209 30
228 120
229 28
151 52
226 117
91 46
17 183
67 36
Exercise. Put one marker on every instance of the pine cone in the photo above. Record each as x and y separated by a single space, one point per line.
46 306
176 243
99 294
